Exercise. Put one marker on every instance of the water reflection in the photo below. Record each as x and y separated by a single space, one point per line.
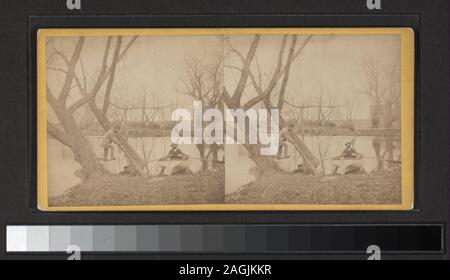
239 166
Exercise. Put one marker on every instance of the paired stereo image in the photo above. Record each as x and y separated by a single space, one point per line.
226 119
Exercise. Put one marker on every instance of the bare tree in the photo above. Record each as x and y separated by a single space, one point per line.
266 92
140 113
142 110
298 110
323 153
381 84
350 111
324 111
71 135
203 81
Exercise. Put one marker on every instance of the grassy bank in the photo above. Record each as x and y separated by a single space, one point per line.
110 190
278 188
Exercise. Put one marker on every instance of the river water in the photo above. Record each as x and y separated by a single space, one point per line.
62 168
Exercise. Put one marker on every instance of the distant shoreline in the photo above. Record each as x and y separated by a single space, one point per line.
374 132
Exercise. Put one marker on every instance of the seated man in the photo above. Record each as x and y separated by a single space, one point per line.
175 154
174 163
349 151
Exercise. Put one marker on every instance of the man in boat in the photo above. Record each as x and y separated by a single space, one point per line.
285 137
174 162
107 143
350 161
349 151
175 154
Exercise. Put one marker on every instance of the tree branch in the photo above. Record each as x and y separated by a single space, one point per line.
102 76
51 98
277 71
228 99
287 74
246 70
255 101
308 106
277 74
71 72
58 134
90 97
111 76
297 54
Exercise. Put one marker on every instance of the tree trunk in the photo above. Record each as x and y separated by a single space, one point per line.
214 150
135 160
390 151
79 145
202 150
310 160
377 147
264 163
268 163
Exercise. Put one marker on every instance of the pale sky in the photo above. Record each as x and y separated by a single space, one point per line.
332 63
155 64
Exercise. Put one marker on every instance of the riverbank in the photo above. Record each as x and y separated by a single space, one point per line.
111 190
281 188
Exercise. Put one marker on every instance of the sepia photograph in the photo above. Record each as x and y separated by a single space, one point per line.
110 101
226 119
339 100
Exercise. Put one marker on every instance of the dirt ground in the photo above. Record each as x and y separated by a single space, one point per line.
109 190
277 188
208 188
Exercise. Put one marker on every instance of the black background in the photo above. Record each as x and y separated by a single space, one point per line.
19 20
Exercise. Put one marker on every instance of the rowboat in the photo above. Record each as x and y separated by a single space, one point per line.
346 165
174 166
